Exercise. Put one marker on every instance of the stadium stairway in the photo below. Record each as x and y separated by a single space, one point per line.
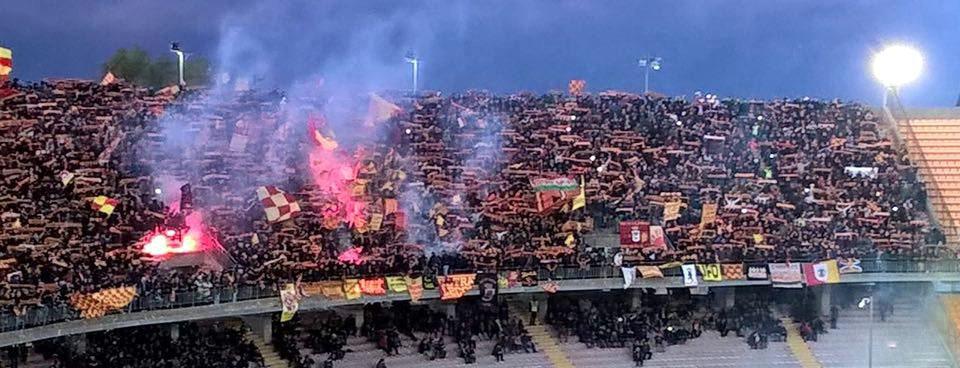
799 347
270 357
544 340
905 339
933 146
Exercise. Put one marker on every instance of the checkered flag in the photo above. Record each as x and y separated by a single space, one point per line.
93 305
576 86
278 205
733 271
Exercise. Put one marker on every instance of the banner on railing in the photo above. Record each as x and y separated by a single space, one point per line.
289 301
629 274
825 272
429 282
97 304
550 287
757 273
786 275
850 265
332 289
487 284
351 289
397 284
372 287
711 272
529 278
454 286
415 288
650 272
689 275
634 234
733 271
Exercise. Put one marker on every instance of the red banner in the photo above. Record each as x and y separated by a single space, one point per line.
634 234
373 287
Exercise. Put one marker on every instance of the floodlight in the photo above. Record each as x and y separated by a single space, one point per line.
897 65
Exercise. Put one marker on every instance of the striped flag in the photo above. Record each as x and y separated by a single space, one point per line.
6 63
104 204
278 205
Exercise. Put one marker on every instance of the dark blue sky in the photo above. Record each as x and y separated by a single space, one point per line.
763 49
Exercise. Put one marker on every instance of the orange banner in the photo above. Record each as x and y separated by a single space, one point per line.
332 289
454 286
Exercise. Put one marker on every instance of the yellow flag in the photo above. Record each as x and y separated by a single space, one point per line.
580 200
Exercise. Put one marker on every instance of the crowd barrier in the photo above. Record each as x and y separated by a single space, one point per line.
148 300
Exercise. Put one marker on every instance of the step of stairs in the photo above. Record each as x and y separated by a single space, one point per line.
544 340
270 356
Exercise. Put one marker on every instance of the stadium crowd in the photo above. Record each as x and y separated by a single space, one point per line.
445 185
402 329
661 322
192 345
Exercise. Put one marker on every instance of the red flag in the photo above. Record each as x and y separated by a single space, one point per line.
810 275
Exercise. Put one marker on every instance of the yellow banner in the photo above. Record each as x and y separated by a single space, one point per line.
415 288
650 272
711 272
671 211
397 284
290 302
709 214
351 288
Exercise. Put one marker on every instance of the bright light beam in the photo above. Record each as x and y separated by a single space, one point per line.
897 65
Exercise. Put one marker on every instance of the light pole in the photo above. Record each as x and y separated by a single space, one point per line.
648 63
175 48
416 69
868 301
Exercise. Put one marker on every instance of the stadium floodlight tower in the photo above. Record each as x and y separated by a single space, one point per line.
896 65
648 63
175 48
410 58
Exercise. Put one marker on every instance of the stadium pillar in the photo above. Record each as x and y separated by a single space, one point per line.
725 297
824 293
636 299
174 332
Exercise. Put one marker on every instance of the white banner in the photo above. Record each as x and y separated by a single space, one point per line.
690 275
629 273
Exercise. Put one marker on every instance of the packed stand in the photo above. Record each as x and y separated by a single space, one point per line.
443 185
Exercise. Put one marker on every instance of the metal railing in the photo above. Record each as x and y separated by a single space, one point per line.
148 300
